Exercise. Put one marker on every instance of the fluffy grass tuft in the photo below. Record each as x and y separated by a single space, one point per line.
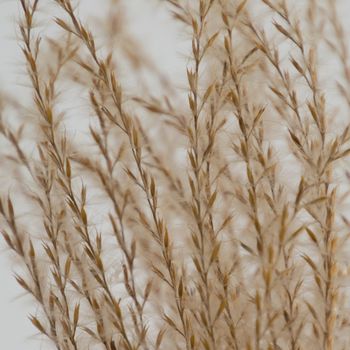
211 216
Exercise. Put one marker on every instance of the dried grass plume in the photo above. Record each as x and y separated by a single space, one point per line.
201 210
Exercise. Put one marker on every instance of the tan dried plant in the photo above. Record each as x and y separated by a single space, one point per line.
149 212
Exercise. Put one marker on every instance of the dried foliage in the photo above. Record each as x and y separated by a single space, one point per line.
207 217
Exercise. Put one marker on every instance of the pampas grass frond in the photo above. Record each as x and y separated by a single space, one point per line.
211 215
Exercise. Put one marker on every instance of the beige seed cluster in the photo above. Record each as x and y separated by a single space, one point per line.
211 217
